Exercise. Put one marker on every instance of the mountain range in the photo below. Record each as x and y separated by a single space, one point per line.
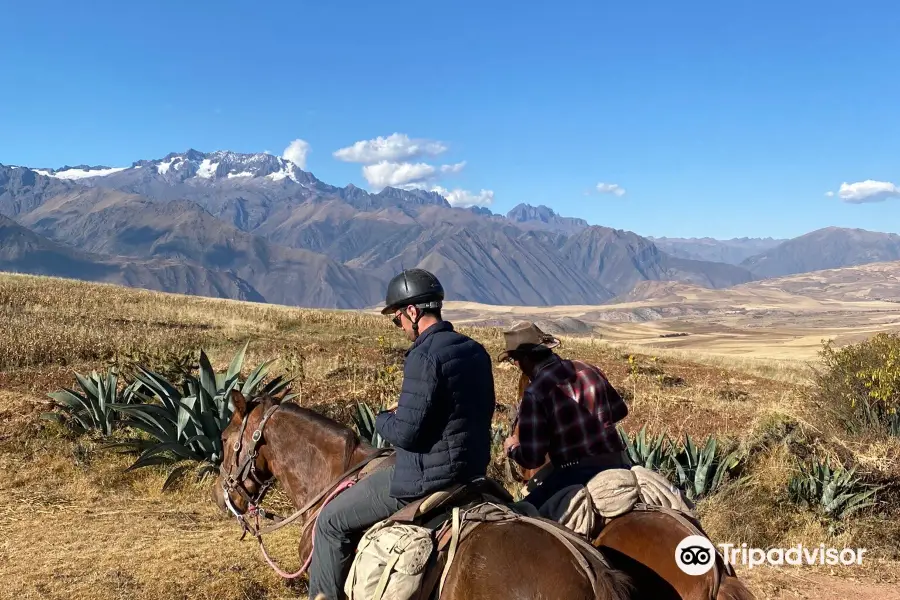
257 227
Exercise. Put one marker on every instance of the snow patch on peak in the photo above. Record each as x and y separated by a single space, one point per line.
244 174
163 167
81 173
207 169
287 171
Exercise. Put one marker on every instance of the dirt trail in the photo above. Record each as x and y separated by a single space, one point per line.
793 585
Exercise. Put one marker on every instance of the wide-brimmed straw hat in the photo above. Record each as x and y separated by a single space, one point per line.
526 337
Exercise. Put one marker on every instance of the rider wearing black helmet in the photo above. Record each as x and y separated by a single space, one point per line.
440 427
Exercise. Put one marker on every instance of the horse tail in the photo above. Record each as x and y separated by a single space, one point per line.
732 588
613 584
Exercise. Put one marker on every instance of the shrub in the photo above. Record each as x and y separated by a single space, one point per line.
860 384
652 453
698 471
93 409
701 471
836 493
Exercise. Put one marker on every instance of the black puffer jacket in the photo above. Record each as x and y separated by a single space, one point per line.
441 428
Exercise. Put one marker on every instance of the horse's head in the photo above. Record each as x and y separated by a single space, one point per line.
245 473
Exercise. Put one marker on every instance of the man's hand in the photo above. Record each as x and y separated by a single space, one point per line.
510 443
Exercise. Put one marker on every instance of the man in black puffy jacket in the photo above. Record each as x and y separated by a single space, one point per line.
440 428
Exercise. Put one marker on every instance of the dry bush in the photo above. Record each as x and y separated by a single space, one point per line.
859 385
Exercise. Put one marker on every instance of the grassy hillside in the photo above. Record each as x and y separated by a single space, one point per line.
77 526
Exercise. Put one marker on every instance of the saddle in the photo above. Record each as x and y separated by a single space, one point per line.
436 506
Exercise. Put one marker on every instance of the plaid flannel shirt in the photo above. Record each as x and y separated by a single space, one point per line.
569 411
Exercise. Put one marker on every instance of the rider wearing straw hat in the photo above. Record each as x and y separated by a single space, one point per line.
568 411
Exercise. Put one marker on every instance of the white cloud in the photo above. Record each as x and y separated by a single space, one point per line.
296 152
386 163
867 191
393 148
829 194
465 198
384 174
610 188
458 167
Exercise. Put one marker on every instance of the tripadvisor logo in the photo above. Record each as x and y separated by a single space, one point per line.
696 555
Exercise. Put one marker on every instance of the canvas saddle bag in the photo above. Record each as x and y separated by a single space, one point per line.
390 562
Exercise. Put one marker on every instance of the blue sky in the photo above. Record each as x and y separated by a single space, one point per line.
717 119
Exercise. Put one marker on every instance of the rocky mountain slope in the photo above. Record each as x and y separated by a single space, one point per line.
23 251
828 248
297 240
733 251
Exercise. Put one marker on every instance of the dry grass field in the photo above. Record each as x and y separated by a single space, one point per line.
75 526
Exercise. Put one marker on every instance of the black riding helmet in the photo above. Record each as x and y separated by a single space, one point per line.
413 286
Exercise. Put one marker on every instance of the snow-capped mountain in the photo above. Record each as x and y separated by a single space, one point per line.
223 165
193 165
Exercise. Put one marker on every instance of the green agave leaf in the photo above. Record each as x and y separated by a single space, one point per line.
726 465
207 380
175 448
203 442
207 469
156 417
52 416
237 363
253 381
161 435
212 431
186 414
167 393
150 461
175 475
858 503
128 446
87 384
70 399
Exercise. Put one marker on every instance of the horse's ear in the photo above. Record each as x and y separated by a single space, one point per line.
240 403
279 397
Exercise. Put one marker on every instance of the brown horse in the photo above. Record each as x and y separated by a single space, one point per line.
643 544
306 452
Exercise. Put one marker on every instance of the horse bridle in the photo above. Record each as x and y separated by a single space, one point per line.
233 481
246 469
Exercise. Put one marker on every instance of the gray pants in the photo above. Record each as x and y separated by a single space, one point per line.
340 526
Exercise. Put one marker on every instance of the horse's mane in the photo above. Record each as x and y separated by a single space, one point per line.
309 414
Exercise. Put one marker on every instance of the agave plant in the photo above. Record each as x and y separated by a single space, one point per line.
652 453
92 409
702 470
365 424
186 424
836 492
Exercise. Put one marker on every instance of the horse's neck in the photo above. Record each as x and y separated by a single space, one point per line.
306 458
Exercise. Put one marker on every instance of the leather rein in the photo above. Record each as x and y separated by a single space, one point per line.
241 470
